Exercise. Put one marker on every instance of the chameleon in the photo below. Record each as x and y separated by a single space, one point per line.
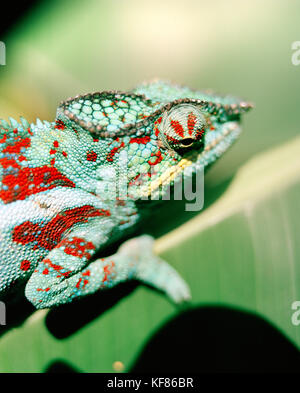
59 209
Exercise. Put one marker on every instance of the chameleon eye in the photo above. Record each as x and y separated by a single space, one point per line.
182 128
187 142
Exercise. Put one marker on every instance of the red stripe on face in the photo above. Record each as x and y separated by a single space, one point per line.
191 122
177 127
199 134
171 139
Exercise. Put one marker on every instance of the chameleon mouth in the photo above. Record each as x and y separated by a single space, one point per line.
228 134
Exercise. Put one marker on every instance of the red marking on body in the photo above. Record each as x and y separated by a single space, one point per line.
25 265
31 181
159 158
91 156
29 131
43 290
16 147
85 282
79 282
142 140
55 144
3 139
64 154
78 247
177 127
111 154
8 162
25 232
57 268
52 162
59 125
46 271
108 269
191 122
49 235
15 131
22 158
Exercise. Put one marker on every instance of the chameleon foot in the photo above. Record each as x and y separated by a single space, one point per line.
154 271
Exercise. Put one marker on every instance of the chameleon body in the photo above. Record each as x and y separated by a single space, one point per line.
58 203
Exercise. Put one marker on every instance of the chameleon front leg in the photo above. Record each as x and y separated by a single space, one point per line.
152 270
54 283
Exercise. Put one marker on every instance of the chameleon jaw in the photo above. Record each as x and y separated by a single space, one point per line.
168 176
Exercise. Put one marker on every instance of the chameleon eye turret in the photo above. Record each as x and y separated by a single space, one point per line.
182 128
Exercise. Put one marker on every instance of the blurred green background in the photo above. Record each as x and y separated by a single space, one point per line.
247 259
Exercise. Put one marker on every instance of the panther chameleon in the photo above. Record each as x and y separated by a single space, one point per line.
59 208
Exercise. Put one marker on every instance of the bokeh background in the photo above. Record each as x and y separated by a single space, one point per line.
56 49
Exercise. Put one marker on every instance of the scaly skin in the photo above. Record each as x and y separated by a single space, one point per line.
71 187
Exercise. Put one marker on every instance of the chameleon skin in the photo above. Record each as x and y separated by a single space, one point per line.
58 182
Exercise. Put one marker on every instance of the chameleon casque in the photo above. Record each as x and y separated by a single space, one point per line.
56 178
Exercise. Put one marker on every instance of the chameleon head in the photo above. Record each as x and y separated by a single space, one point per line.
182 128
164 131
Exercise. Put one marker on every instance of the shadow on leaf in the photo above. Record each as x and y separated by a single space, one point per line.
217 339
65 320
60 367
